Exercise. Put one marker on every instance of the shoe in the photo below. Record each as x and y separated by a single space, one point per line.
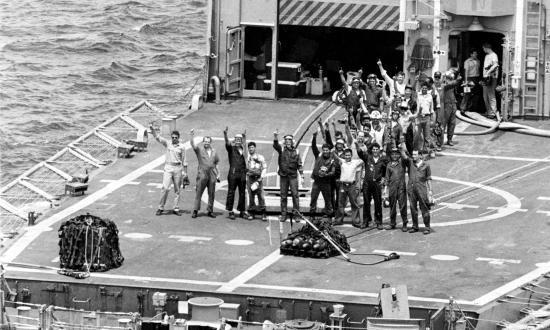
379 226
177 212
159 212
438 149
212 215
231 215
282 218
427 231
404 229
432 154
194 215
413 230
390 227
250 216
244 214
450 143
264 217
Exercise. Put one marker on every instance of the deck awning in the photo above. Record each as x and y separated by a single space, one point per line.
367 15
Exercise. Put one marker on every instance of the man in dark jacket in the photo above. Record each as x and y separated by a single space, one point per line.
325 169
375 169
290 164
236 178
396 188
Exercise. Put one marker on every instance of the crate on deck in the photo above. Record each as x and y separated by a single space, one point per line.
286 71
288 89
75 188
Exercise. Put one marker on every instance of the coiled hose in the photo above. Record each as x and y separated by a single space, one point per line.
492 126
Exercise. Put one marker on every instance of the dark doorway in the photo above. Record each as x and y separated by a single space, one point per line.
257 53
333 48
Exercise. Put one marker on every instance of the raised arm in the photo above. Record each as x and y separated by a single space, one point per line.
384 74
342 78
192 139
276 144
314 147
321 128
348 134
158 137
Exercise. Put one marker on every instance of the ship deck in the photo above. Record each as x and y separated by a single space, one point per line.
491 223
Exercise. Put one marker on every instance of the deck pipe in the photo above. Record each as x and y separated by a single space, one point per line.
217 88
505 126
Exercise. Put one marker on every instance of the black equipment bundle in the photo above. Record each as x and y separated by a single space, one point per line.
89 243
309 242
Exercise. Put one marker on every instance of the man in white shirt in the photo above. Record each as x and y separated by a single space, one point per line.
490 75
175 169
256 172
425 116
348 187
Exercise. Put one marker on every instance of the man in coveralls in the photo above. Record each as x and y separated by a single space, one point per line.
326 168
447 113
375 169
354 96
236 178
396 188
175 169
207 173
290 164
419 189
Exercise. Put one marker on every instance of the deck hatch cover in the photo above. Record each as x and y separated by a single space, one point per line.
366 15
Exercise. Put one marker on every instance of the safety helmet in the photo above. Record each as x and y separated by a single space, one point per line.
375 115
372 76
288 137
394 149
356 79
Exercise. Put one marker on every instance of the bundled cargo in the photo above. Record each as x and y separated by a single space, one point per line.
89 243
309 242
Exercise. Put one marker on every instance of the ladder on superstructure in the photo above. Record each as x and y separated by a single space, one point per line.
531 79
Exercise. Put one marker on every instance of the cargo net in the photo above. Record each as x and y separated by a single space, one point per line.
10 224
88 244
146 114
308 242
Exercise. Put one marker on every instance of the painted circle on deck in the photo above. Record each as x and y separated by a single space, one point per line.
137 235
444 257
240 242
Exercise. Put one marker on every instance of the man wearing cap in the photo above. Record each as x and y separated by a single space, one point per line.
377 131
395 131
373 94
207 173
419 188
290 164
395 188
355 96
425 116
236 178
257 169
325 169
348 187
375 169
175 169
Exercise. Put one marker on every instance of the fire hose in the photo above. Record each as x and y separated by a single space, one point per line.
493 126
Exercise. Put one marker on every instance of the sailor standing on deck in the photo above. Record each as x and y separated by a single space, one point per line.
290 164
256 172
348 187
419 189
236 178
207 173
175 169
396 189
326 168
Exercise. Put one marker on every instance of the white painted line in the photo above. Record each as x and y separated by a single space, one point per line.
533 172
453 154
547 213
251 272
504 207
457 206
518 282
154 184
135 183
190 239
401 253
144 279
444 257
33 232
495 261
156 171
543 198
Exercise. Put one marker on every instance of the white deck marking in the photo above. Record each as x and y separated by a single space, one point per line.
532 172
503 207
154 184
137 235
495 261
518 282
135 183
444 257
156 171
457 206
239 242
251 272
453 154
543 198
190 239
547 213
398 252
144 279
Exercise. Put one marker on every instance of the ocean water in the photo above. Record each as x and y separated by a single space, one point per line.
66 66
